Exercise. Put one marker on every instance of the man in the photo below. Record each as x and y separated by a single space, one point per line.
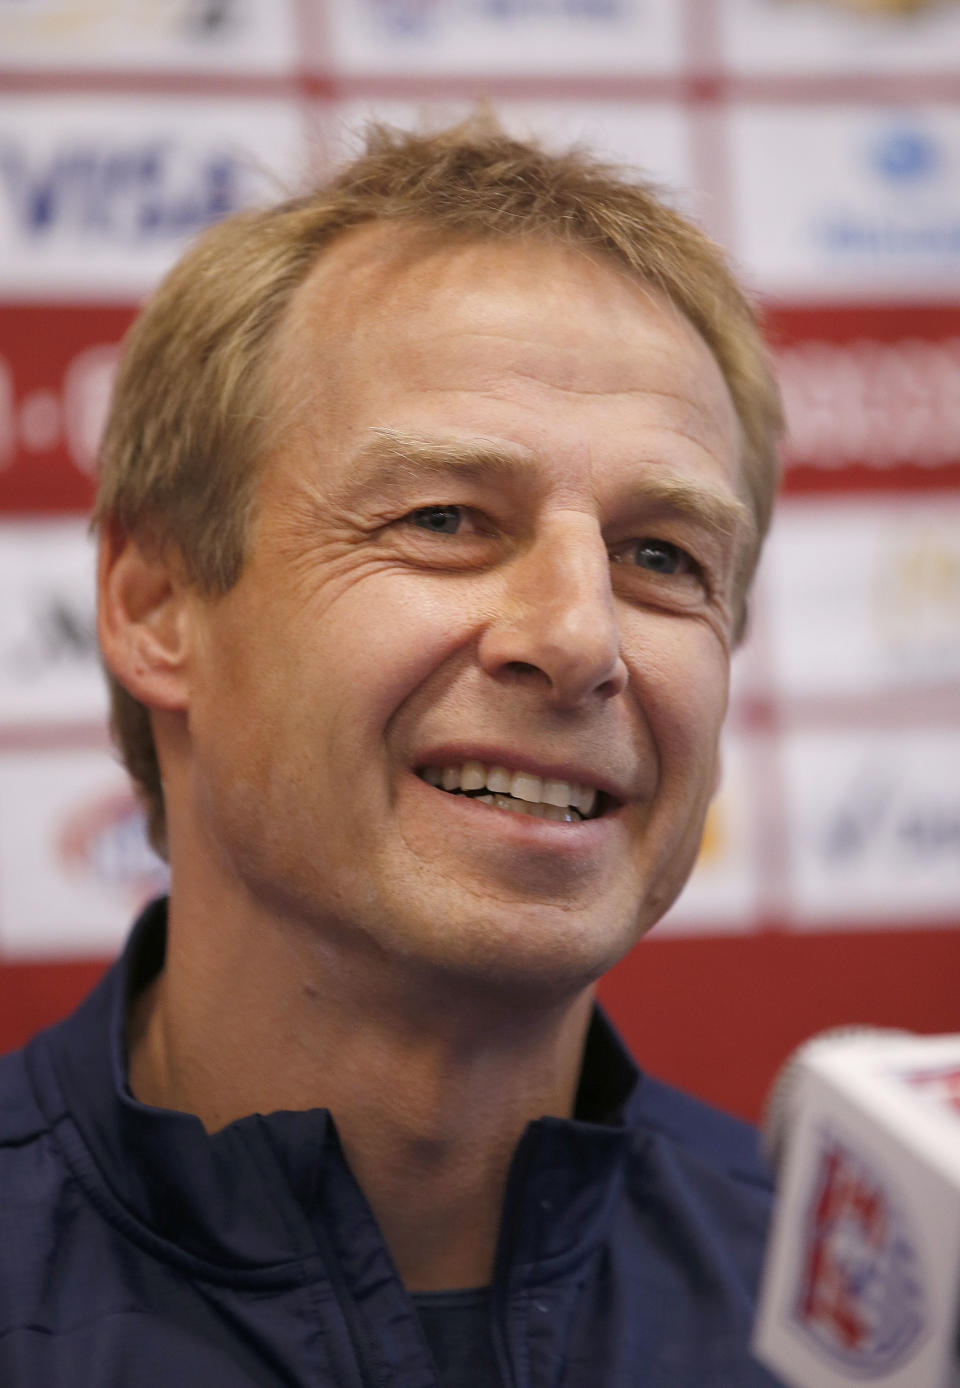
429 507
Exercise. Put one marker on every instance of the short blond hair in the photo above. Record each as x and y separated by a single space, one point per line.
191 414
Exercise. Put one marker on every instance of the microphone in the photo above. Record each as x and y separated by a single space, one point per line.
861 1279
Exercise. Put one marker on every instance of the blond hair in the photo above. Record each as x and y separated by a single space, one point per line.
191 412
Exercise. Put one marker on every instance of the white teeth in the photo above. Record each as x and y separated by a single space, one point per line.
558 793
498 780
539 795
526 787
472 776
539 811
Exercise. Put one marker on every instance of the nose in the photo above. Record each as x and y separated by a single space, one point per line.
559 624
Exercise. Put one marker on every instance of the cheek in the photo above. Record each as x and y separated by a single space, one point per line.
682 684
381 641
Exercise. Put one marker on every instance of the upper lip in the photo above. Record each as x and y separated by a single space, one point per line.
522 761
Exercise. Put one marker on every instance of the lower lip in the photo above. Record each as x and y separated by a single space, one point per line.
574 837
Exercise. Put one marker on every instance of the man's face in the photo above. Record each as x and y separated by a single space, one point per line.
499 532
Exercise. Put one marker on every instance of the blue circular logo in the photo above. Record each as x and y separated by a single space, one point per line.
905 155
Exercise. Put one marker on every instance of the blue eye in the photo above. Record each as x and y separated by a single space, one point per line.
442 520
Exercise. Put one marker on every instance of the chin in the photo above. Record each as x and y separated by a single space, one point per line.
532 951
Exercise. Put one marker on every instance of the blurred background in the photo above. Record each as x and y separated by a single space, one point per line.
819 141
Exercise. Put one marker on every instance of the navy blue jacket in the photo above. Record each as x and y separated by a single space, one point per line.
137 1250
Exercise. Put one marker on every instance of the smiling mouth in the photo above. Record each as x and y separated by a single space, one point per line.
518 791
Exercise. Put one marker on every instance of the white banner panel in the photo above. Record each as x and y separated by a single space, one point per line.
817 37
242 36
99 194
722 896
74 862
873 826
49 662
840 202
862 595
457 38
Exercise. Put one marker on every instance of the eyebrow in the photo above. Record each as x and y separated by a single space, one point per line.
716 509
412 456
392 456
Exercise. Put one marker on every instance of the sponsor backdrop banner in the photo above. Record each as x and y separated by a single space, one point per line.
819 140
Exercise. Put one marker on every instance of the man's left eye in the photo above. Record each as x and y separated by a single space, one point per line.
442 520
657 556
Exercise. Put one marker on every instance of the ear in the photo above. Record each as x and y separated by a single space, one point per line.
143 618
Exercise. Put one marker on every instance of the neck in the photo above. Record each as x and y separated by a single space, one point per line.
429 1082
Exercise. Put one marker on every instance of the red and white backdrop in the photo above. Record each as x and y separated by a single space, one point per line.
820 142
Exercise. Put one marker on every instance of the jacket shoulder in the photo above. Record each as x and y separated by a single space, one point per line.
720 1140
33 1180
21 1119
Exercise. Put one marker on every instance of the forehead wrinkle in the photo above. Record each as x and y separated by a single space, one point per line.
605 391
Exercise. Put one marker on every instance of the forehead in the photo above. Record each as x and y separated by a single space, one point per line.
394 309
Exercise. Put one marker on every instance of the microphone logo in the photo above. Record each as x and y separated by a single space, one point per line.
859 1298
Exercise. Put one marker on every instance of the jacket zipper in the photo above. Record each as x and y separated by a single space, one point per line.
499 1301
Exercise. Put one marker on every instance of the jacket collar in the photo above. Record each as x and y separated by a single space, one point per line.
248 1197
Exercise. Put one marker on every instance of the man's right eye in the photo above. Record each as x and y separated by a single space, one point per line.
442 520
